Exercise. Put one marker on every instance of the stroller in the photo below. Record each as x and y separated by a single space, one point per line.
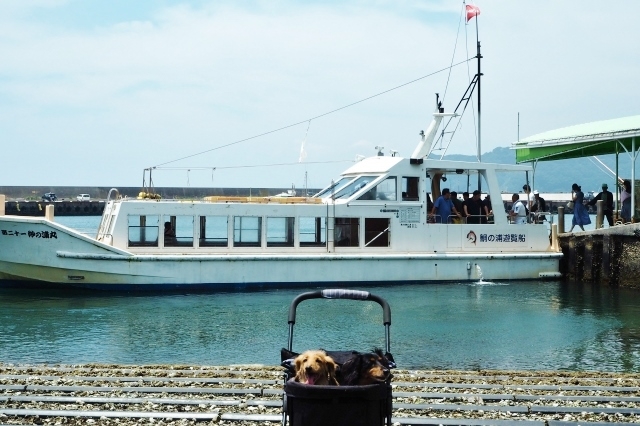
308 405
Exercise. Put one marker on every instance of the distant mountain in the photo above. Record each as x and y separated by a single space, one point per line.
556 176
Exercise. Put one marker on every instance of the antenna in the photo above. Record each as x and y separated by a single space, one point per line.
380 153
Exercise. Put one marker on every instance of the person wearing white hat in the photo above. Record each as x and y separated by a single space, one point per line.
539 206
607 197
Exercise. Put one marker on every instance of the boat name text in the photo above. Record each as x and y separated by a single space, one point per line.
31 234
503 238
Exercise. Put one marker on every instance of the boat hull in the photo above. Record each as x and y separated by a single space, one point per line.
261 271
39 252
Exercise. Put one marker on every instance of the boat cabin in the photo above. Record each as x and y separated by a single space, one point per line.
379 203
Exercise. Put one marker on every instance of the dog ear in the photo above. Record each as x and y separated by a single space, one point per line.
331 364
298 362
387 358
331 368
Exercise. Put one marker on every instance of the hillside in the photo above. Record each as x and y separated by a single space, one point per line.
556 176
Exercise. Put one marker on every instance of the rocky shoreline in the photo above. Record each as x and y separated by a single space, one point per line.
252 395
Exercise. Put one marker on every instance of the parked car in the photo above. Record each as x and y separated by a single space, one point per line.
83 197
49 196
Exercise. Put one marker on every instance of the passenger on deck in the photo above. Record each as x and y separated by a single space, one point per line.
488 208
169 233
518 212
539 206
429 203
465 201
474 209
458 205
443 207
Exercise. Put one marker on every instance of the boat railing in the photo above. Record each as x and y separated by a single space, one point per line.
540 217
476 219
533 218
264 200
436 218
106 214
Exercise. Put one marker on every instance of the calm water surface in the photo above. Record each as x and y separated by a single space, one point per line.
499 325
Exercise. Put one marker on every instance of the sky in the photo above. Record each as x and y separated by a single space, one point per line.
94 92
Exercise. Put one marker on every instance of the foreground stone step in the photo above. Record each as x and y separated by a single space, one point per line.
252 395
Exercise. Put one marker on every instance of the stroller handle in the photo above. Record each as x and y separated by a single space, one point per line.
340 294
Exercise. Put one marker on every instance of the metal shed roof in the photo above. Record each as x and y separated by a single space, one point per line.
595 138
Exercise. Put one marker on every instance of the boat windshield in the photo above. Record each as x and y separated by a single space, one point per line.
355 186
334 187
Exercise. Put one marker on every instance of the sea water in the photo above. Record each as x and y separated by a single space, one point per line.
532 325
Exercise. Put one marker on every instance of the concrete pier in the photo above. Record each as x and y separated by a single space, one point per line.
608 256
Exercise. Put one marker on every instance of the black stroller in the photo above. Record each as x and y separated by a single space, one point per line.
306 405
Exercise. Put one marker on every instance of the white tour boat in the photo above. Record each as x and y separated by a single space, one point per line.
370 226
373 225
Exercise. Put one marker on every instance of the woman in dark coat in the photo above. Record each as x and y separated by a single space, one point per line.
625 199
580 213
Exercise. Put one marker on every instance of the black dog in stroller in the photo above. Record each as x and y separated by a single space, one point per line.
337 387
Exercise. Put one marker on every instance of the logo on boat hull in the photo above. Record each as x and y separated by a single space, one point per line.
471 237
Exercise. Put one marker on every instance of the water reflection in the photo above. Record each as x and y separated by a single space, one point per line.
619 343
499 325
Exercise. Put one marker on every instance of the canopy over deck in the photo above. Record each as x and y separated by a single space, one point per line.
584 140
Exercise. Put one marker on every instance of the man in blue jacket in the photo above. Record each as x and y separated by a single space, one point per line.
443 207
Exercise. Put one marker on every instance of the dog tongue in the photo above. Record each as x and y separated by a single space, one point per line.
311 379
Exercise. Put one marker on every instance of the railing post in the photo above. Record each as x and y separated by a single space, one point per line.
560 220
599 214
48 212
555 243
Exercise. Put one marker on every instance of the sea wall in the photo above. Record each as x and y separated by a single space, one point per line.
27 200
609 256
34 193
61 208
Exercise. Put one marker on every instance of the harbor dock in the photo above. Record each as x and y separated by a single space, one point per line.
607 256
252 395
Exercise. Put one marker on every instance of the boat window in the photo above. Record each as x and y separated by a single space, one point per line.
247 231
179 231
335 187
346 232
385 190
313 231
143 230
280 231
376 232
410 188
355 186
213 231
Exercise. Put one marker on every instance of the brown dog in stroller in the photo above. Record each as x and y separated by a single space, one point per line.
363 396
365 369
315 368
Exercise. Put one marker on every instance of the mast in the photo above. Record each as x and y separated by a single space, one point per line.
479 56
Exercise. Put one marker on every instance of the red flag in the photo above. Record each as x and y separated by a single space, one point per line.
472 11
